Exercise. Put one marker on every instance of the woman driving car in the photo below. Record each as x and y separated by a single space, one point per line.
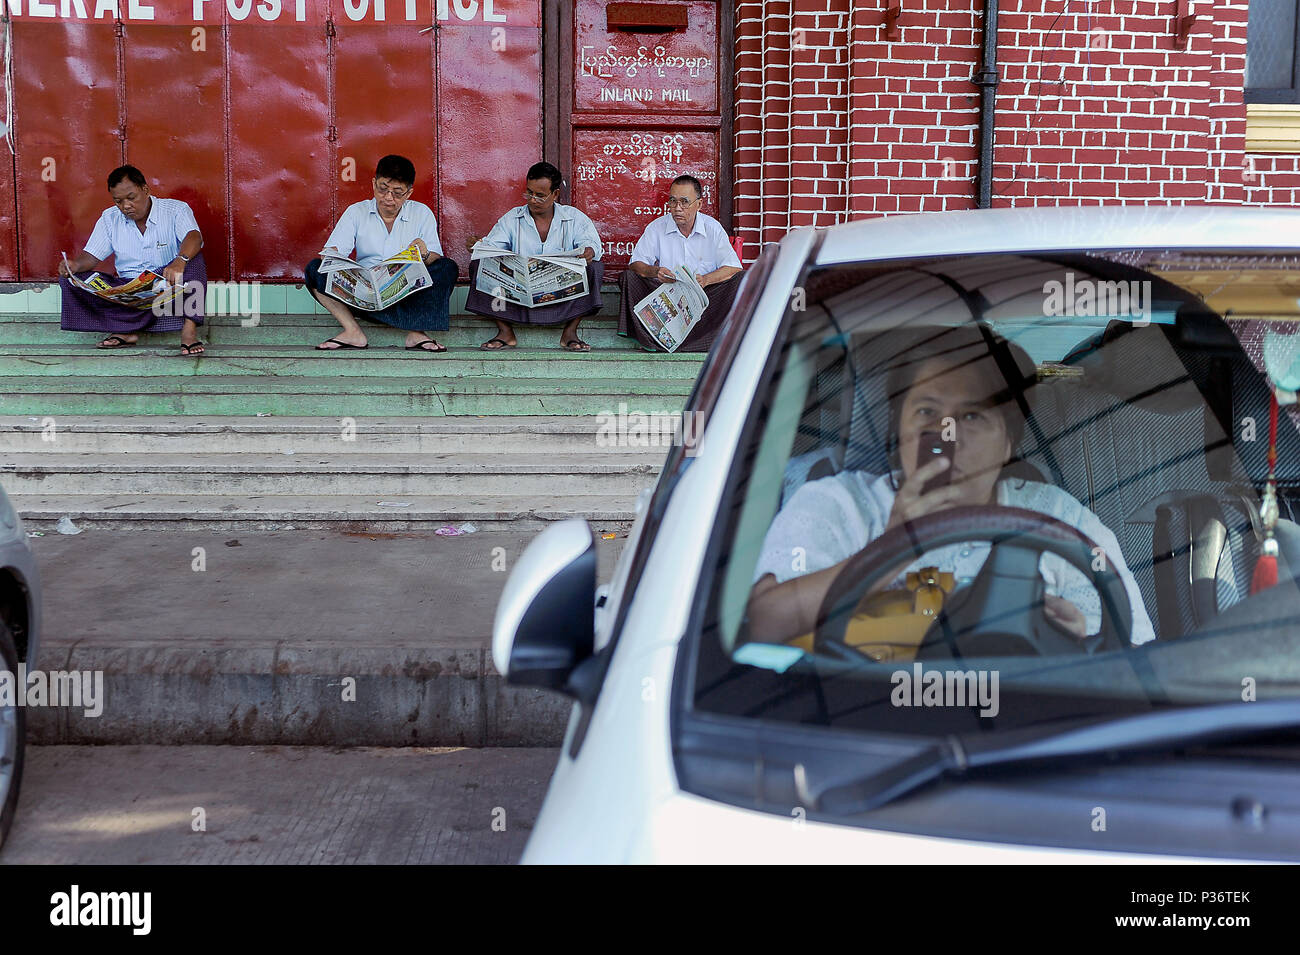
957 403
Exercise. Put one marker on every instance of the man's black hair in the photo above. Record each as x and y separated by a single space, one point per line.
692 181
547 171
397 168
125 172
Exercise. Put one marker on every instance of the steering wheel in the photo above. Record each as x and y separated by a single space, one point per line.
999 614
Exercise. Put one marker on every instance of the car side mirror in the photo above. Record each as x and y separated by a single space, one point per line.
546 619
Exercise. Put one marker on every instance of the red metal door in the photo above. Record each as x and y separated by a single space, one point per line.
384 103
267 116
648 98
176 132
66 134
489 118
279 150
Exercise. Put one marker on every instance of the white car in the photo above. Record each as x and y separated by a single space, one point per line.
20 628
821 645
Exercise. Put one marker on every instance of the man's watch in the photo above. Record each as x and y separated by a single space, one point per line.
182 258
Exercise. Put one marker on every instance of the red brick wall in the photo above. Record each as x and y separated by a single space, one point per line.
1095 105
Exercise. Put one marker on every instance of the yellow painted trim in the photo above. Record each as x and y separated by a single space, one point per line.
1272 128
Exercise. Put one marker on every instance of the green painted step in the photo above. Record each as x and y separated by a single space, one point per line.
308 330
43 395
278 361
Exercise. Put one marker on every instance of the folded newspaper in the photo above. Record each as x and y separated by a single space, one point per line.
144 291
530 280
379 286
670 312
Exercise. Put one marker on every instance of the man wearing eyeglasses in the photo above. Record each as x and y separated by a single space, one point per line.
377 228
682 236
541 225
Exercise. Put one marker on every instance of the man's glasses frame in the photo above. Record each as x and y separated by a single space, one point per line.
675 202
389 191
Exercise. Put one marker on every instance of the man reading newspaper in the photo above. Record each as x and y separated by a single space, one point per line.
530 280
540 265
379 286
157 255
669 314
399 278
684 236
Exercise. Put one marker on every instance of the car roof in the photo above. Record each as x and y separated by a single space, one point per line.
1061 228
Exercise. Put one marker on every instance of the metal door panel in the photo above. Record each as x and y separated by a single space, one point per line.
66 134
489 120
176 132
283 186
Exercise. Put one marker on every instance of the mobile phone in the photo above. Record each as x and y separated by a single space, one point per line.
930 446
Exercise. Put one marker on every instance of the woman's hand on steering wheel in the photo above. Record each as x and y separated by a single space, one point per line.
1065 615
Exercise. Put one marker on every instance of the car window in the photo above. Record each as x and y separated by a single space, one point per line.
1093 429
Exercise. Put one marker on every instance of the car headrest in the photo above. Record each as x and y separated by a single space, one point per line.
1159 368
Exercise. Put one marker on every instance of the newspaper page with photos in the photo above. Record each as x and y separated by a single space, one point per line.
147 289
533 280
377 287
670 312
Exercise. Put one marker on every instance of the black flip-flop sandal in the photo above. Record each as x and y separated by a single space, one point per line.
419 346
188 351
504 344
569 345
121 343
342 345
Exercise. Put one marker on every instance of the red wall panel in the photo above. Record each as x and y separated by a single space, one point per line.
65 127
280 153
381 110
622 177
489 119
176 135
249 114
644 110
644 72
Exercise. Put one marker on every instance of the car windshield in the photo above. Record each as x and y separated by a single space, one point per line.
985 493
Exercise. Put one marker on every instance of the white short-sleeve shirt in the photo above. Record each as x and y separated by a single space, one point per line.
361 228
168 223
516 231
833 518
705 250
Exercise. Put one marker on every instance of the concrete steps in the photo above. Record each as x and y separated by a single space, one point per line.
272 368
284 361
390 474
361 396
306 331
310 475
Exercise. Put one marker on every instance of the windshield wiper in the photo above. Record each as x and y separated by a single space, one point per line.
957 755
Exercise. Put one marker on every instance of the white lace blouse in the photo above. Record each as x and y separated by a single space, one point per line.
829 520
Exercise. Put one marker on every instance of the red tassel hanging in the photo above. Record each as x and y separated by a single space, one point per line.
1265 574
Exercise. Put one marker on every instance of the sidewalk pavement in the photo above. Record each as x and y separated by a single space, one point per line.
261 637
276 804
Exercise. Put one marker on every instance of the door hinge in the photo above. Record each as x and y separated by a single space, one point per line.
329 28
118 28
334 134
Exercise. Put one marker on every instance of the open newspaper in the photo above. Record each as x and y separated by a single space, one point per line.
530 280
670 312
147 289
378 286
